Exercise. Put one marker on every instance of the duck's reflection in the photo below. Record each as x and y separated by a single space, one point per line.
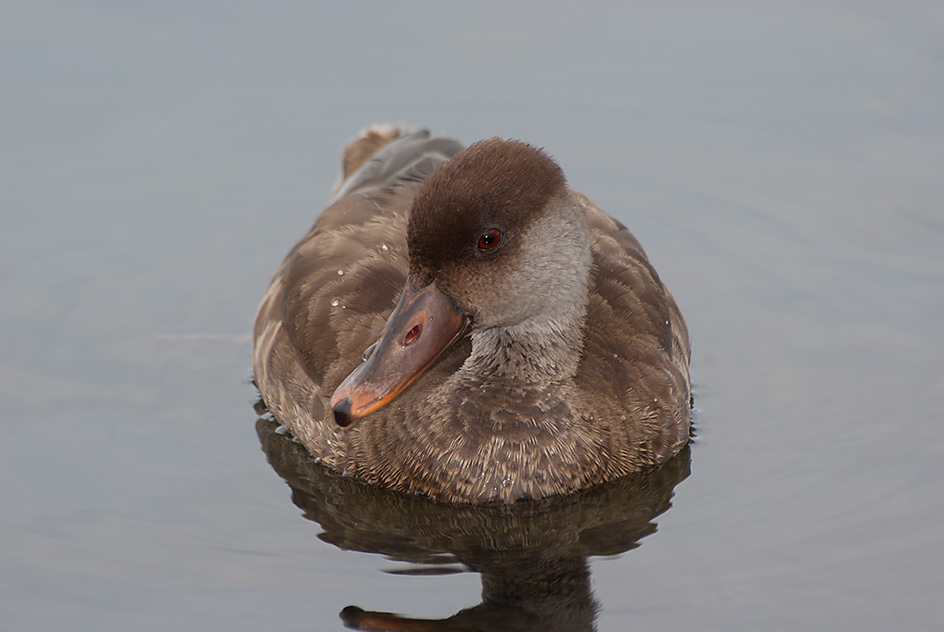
532 556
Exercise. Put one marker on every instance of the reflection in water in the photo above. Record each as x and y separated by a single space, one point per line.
532 556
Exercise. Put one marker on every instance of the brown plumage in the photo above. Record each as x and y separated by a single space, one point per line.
535 351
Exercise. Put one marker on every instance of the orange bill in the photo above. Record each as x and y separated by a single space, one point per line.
423 326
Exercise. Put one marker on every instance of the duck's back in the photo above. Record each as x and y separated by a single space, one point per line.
636 351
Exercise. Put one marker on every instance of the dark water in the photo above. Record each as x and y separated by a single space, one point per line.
781 164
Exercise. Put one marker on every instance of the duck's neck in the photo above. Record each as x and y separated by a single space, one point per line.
529 353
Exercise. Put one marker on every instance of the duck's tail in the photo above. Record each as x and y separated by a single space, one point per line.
382 156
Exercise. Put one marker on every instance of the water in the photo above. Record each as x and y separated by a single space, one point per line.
781 165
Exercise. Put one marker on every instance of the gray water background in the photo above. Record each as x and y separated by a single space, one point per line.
782 163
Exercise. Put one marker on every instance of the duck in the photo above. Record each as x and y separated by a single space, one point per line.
461 324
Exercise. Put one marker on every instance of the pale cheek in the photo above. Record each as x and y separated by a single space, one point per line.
508 304
495 297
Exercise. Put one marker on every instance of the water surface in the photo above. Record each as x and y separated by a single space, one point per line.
781 165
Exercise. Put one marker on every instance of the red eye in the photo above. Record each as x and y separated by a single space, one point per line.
490 239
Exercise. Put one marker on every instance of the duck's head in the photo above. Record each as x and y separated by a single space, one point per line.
497 243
